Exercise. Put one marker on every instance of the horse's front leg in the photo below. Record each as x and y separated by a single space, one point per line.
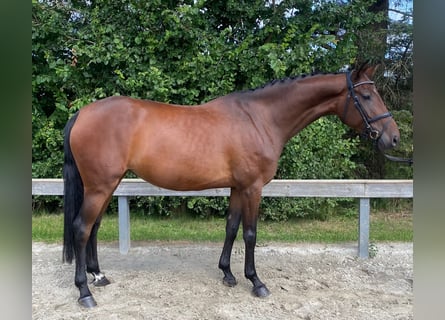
251 201
232 226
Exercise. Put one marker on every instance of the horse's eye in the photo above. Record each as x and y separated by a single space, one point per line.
366 96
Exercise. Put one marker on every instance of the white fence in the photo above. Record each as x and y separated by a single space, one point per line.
362 189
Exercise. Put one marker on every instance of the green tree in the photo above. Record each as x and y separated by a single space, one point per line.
389 42
188 52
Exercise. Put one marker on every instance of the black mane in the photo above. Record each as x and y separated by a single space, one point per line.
289 79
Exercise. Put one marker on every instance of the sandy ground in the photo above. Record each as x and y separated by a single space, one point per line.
182 281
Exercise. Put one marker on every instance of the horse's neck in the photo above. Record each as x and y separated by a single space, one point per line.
294 104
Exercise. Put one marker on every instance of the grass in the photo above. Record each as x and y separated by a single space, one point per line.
384 227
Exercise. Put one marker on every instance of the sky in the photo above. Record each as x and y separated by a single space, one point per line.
399 5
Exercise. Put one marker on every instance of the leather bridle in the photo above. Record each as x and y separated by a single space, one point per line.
369 130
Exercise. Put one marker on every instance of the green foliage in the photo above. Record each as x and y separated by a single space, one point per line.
188 52
390 43
207 206
158 206
320 151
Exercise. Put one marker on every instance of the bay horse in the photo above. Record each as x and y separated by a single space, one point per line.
233 141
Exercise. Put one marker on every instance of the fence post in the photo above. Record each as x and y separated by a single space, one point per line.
124 224
363 229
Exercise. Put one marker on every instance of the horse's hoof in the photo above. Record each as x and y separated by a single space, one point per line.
261 291
230 281
87 302
100 280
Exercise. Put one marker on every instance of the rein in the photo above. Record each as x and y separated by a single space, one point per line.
398 159
369 130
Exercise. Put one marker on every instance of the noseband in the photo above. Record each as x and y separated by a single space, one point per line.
369 130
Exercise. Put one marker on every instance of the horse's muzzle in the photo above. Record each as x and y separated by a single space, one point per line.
387 141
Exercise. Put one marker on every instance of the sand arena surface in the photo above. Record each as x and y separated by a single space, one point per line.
182 281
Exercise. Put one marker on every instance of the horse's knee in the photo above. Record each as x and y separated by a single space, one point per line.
231 231
233 221
249 236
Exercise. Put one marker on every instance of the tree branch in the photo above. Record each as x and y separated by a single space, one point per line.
409 14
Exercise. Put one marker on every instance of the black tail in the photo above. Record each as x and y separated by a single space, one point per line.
73 193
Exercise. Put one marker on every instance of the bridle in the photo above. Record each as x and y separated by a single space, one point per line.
369 130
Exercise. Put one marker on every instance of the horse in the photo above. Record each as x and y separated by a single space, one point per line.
233 141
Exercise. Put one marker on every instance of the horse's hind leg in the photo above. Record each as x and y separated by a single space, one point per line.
92 259
92 207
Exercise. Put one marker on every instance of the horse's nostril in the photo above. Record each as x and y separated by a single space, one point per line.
395 141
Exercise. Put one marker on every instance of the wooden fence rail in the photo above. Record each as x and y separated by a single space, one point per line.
362 189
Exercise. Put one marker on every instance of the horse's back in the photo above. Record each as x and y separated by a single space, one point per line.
177 147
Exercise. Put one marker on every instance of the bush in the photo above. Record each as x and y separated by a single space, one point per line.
188 52
320 151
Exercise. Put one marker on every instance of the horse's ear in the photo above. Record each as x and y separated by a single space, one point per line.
370 70
367 69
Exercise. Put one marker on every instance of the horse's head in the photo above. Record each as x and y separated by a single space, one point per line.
365 111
